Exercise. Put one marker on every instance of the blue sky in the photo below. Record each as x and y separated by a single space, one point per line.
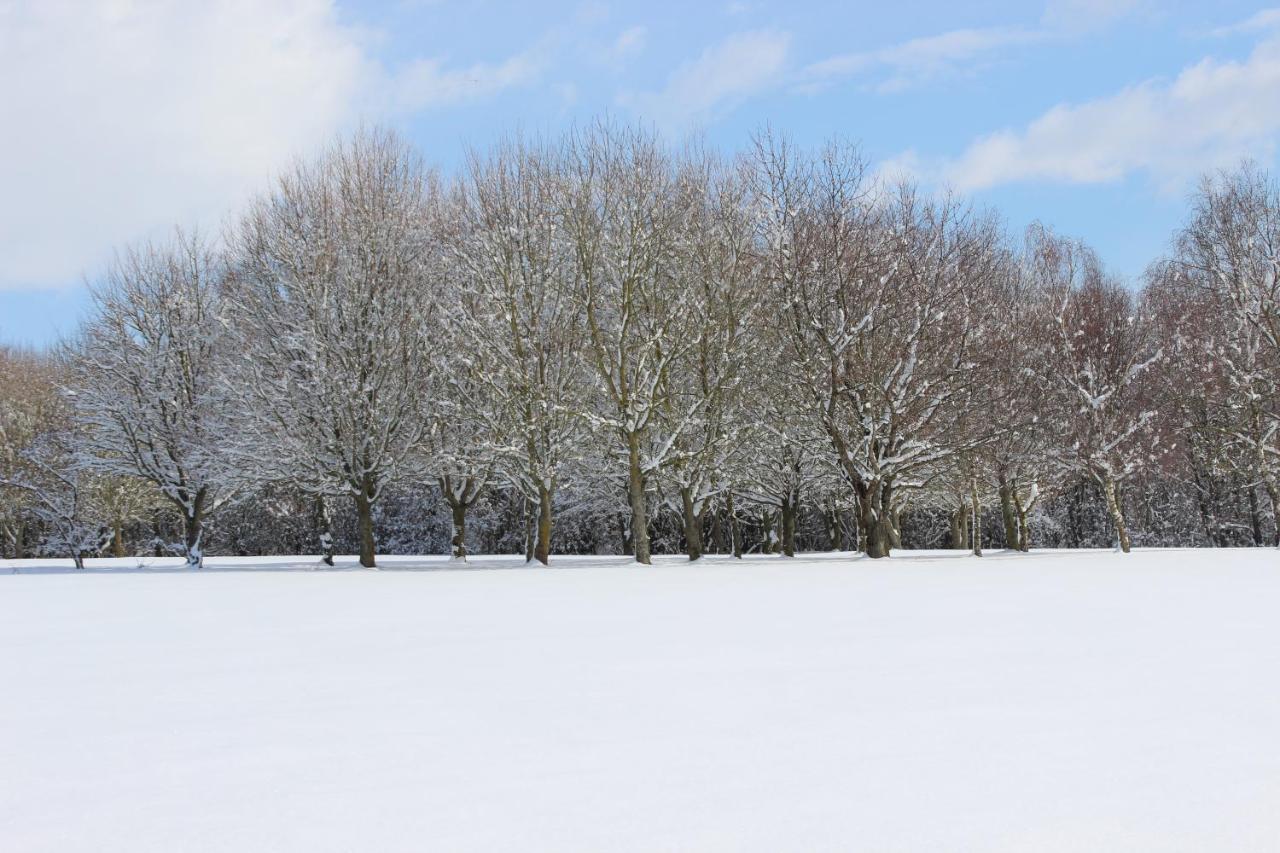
1094 116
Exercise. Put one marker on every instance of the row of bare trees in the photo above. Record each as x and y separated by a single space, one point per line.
599 324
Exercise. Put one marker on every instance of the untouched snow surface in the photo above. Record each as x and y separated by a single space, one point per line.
1052 702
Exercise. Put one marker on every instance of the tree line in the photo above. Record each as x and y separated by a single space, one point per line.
601 342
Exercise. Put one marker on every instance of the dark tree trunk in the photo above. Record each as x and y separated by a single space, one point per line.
769 540
324 528
117 539
1255 516
1273 492
790 504
717 532
364 521
874 527
542 548
959 528
458 544
1009 515
530 531
636 499
835 529
624 533
975 533
193 531
692 524
460 493
735 528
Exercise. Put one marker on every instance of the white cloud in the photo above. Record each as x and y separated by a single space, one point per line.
742 65
917 61
122 117
1210 116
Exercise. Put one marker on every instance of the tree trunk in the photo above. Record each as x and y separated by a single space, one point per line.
975 532
959 520
692 524
717 532
1117 516
873 527
769 535
458 544
192 532
542 549
1255 516
530 531
1009 514
1273 492
635 497
324 525
78 559
835 529
364 520
117 539
790 504
624 533
895 528
1024 527
735 529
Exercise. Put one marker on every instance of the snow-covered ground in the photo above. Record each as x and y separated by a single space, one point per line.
1052 702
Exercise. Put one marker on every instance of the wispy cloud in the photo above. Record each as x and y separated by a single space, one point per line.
1077 16
741 65
916 61
1265 19
919 61
427 83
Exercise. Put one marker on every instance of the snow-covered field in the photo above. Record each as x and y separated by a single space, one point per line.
1052 702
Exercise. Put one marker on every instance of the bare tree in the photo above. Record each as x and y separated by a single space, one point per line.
143 376
622 217
332 305
521 322
1230 253
881 295
29 407
1103 346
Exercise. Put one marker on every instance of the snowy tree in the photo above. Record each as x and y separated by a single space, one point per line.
623 215
1103 344
143 376
29 407
705 414
521 323
880 294
57 483
333 308
1230 253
